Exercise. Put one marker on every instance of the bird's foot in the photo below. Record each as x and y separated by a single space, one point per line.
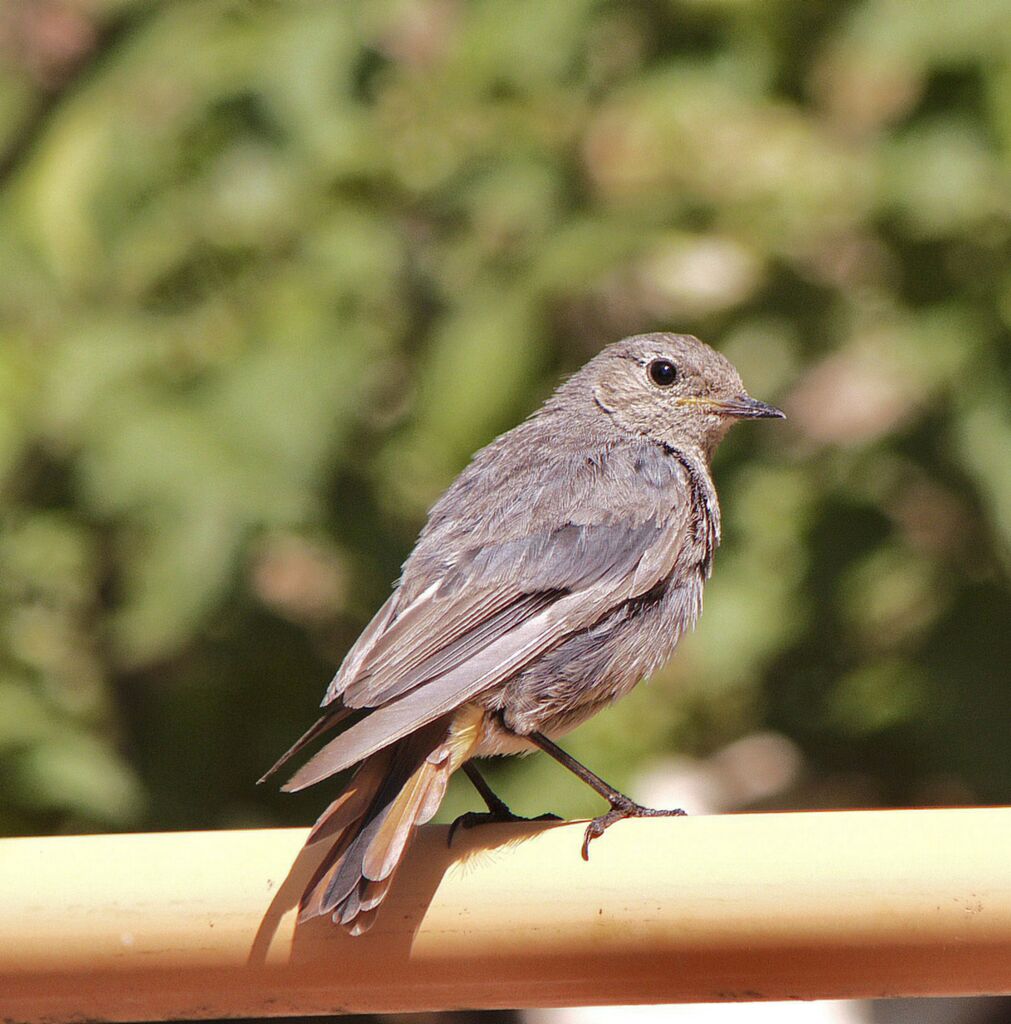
624 808
501 813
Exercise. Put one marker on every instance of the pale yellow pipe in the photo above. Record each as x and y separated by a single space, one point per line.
777 906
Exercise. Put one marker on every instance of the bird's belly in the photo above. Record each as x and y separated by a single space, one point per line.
497 740
593 668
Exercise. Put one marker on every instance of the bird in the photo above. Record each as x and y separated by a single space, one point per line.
559 569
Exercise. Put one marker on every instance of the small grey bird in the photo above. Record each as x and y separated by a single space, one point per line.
561 566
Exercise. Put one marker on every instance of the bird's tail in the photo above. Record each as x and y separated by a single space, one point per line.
373 820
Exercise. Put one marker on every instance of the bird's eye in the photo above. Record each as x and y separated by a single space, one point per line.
662 372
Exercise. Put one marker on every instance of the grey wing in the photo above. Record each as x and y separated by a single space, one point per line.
494 612
372 633
488 594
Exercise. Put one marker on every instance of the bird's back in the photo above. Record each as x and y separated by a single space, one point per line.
602 662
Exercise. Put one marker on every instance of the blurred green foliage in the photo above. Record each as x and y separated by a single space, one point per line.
270 272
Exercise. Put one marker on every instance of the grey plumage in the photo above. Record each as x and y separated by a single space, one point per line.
560 567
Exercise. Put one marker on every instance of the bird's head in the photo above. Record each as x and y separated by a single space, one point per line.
672 388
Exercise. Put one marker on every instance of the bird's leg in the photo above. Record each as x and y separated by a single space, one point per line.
497 808
621 805
496 805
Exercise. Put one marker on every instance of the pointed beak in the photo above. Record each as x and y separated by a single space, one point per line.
745 407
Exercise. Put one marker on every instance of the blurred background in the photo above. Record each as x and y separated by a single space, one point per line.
270 272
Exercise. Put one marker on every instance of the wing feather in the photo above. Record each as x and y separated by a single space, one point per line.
488 593
392 683
351 665
492 664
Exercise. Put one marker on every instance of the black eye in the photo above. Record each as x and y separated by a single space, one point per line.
662 372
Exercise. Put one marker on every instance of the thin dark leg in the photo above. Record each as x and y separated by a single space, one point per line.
496 805
594 781
621 805
497 808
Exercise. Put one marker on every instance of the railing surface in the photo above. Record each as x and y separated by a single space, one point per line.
769 906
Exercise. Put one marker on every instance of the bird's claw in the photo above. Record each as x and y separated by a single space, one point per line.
626 809
471 819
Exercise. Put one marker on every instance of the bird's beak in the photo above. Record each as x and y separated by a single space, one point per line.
745 407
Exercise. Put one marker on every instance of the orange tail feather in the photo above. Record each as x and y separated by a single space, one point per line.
375 818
